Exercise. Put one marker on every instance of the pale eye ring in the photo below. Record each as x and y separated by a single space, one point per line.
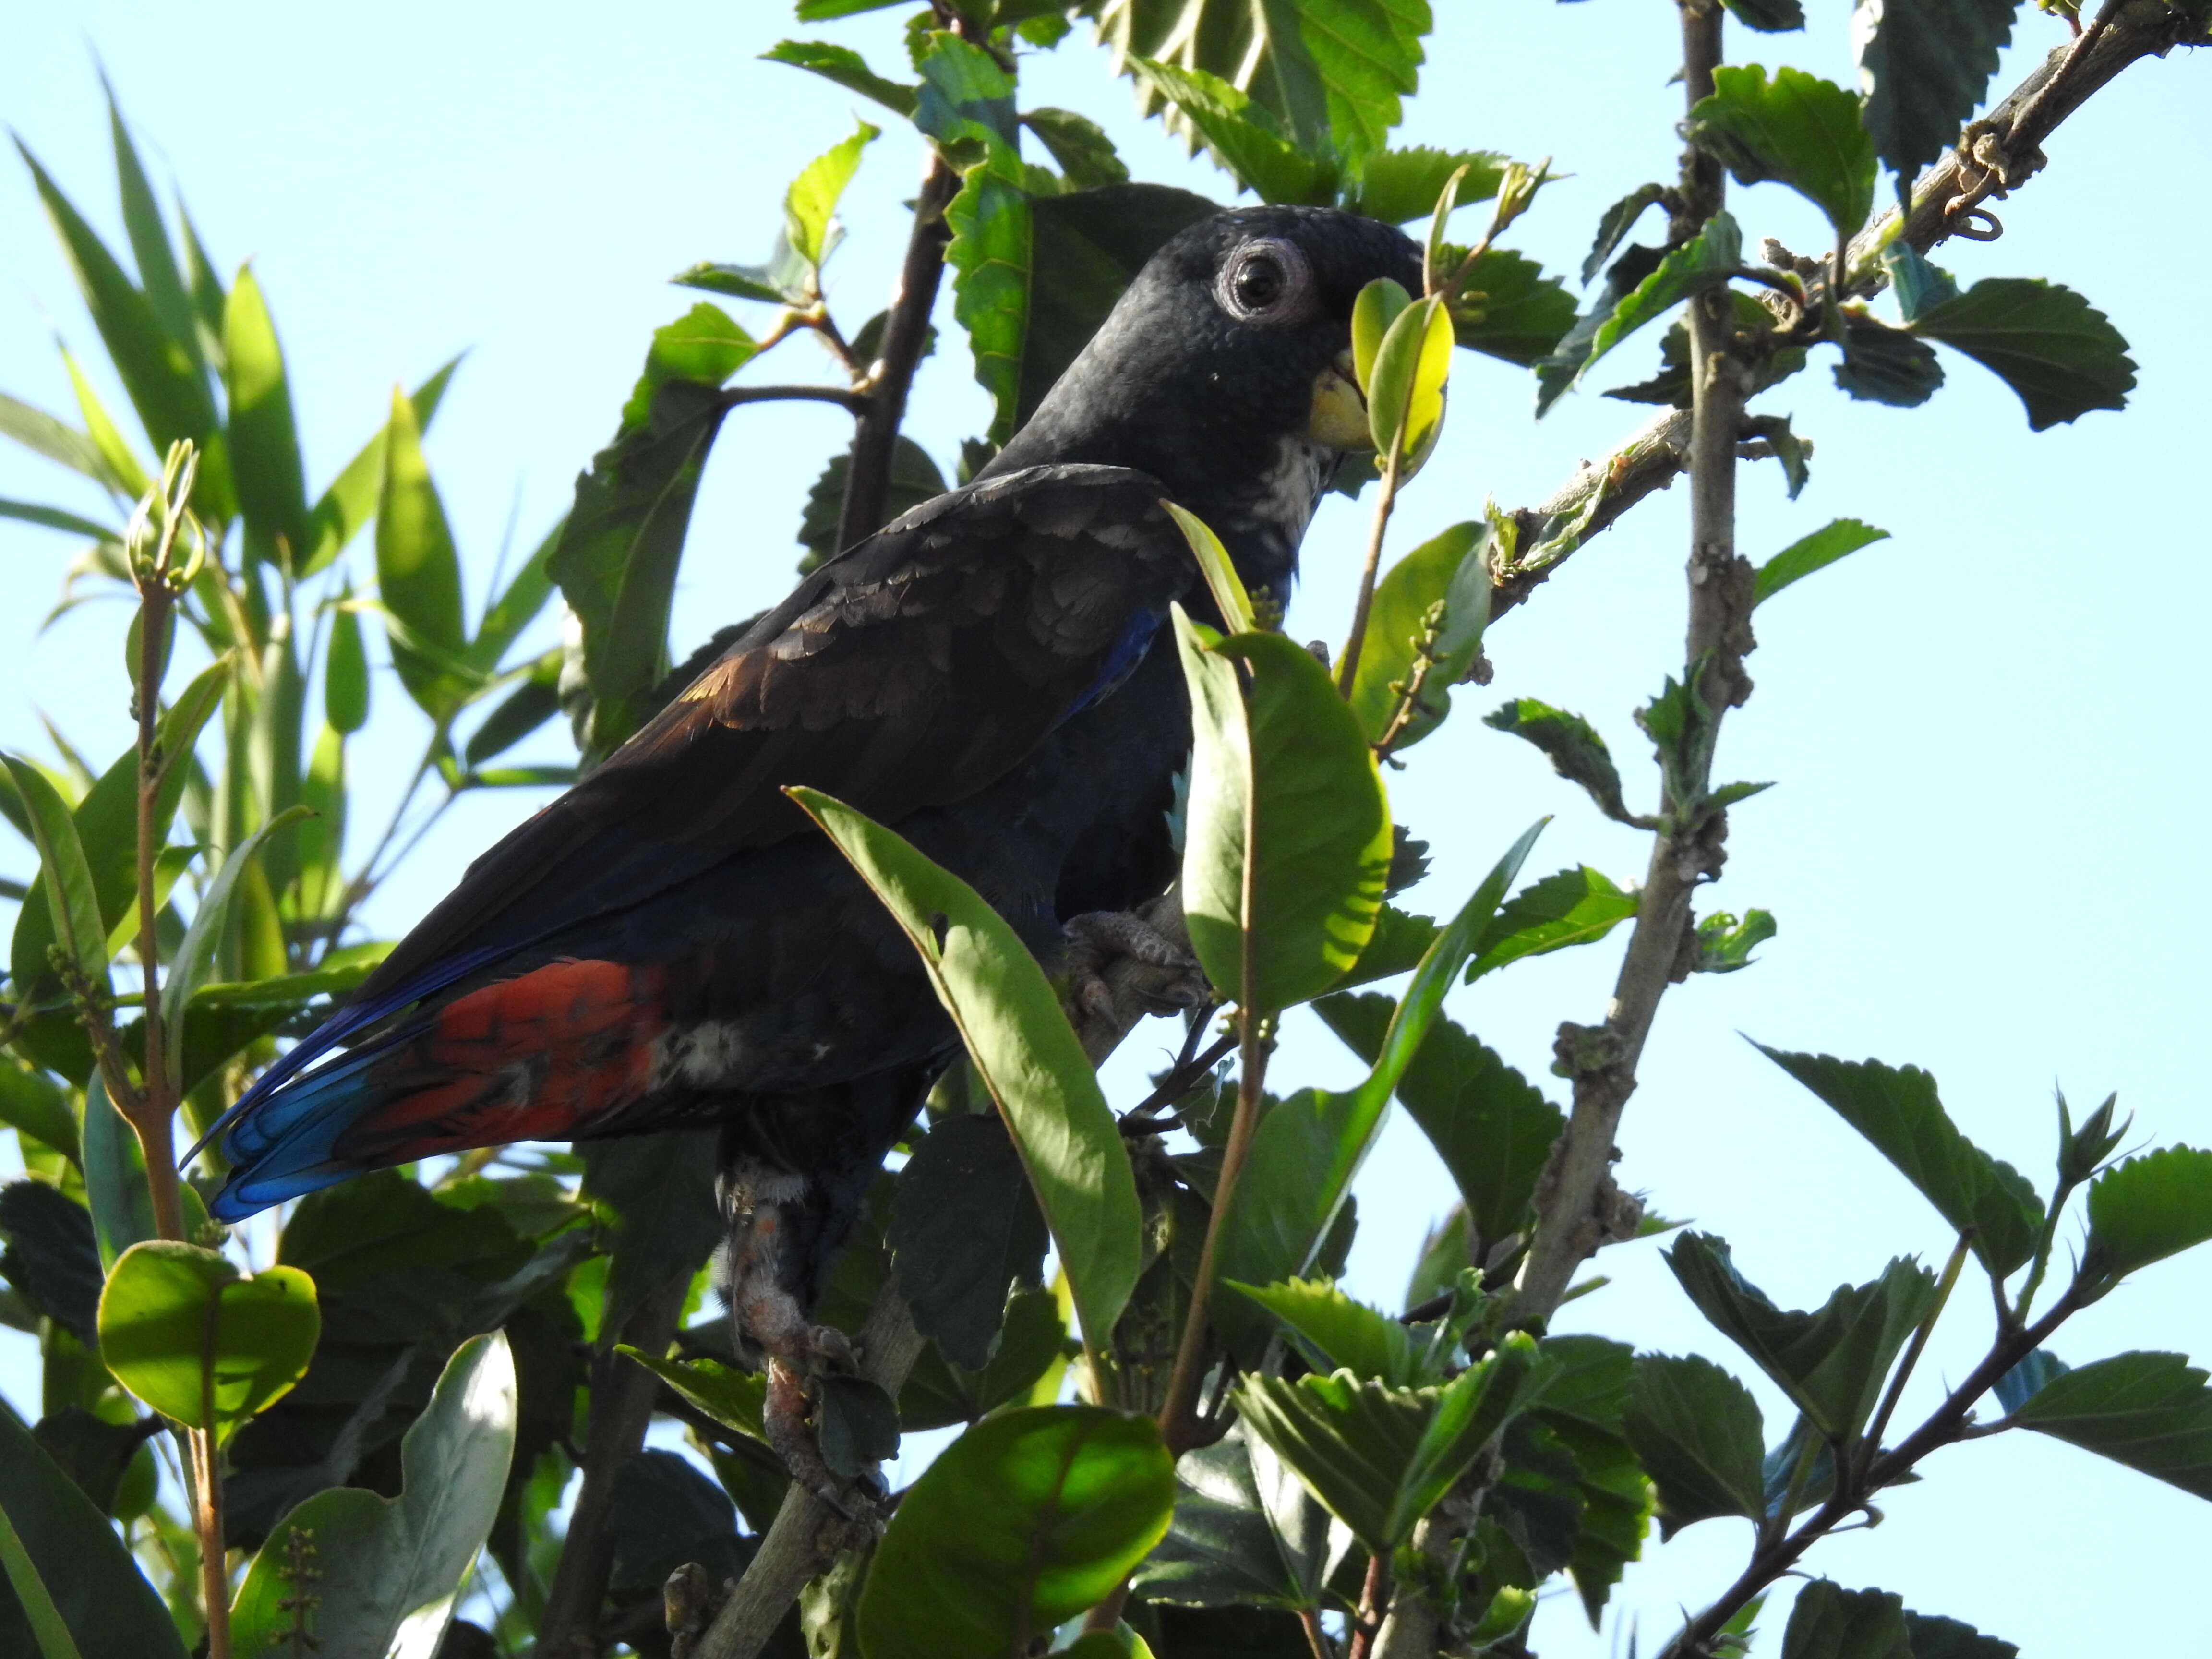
1265 281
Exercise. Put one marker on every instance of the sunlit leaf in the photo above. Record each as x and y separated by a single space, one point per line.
198 1341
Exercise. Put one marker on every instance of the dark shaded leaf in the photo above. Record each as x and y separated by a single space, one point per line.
664 1513
71 1577
1492 1129
1926 65
1616 222
1243 137
2149 1208
1830 1363
617 560
34 1104
1245 1533
1769 16
1510 309
1938 1638
1079 145
2149 1411
1577 753
661 1191
529 706
1899 1111
1828 1623
964 1227
2047 342
1700 1433
1396 946
914 479
857 1424
53 1258
1886 365
1021 1524
1308 1147
1084 249
847 68
91 1451
1711 258
1797 130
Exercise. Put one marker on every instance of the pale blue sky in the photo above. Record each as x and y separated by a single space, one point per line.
1987 731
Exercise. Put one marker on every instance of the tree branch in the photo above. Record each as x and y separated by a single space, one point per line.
867 481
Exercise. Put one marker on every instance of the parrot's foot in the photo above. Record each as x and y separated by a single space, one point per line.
1167 976
799 1351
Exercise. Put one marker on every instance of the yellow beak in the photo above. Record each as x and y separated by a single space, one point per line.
1338 419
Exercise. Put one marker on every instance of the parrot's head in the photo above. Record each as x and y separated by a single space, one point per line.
1225 371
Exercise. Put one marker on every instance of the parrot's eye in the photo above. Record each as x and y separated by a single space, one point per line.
1265 281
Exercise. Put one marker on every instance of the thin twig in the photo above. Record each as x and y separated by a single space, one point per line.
843 397
1392 464
1871 1446
906 329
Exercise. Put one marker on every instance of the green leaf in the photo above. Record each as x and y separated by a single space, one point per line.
392 1567
1282 782
2047 342
1330 72
1509 308
1828 1623
1920 286
1699 1431
1438 595
419 574
622 541
1926 67
345 669
964 1227
811 200
1574 907
1020 1524
1492 1129
119 467
1797 130
990 256
184 1331
2147 1209
1630 300
1936 1637
1080 145
80 1593
517 606
1401 185
1011 1021
194 964
114 1178
149 237
265 445
33 1103
1577 753
1242 136
847 68
660 1189
2149 1411
1350 1336
914 479
1769 16
529 706
1308 1148
1379 1458
342 509
65 877
1830 1363
163 383
1899 1111
1886 365
53 518
55 439
1614 224
1724 944
1378 305
1395 947
1085 248
1406 389
732 1398
1830 543
1245 1532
